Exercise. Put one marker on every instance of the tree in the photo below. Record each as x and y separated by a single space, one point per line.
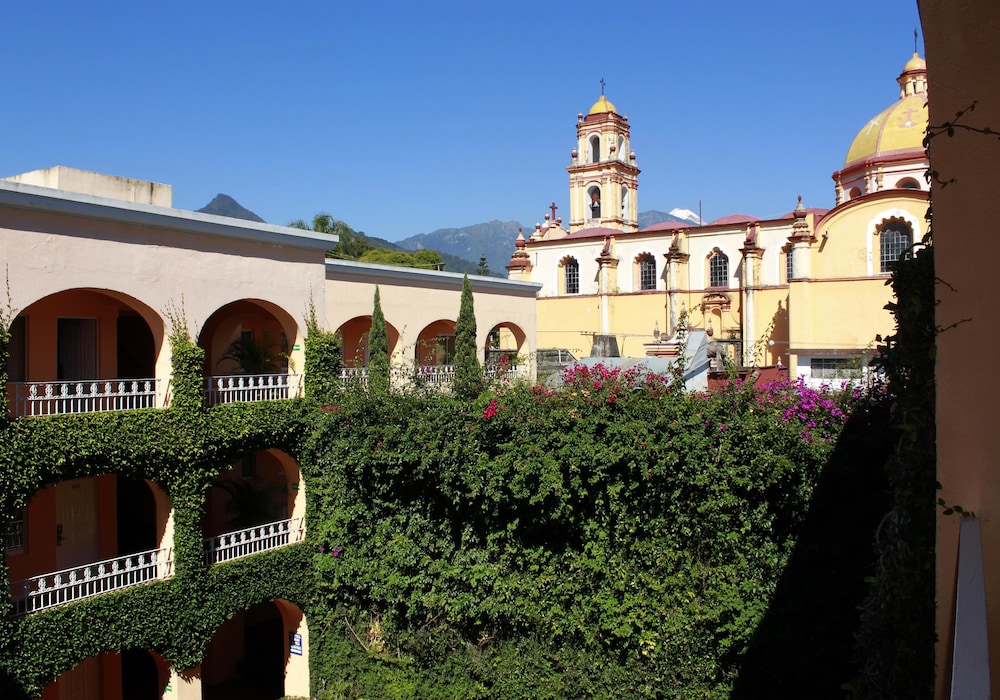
378 350
352 244
424 259
468 371
484 266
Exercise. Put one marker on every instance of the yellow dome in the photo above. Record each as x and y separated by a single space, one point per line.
897 129
602 106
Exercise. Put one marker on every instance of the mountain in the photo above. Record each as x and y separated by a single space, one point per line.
224 205
495 239
648 218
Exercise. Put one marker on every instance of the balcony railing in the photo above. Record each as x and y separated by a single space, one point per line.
260 538
433 375
89 396
61 587
238 388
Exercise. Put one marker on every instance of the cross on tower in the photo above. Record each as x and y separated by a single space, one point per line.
602 87
553 207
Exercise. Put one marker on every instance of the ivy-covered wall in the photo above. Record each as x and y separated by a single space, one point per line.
182 450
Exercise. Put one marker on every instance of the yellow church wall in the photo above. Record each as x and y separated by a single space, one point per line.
568 323
839 316
847 242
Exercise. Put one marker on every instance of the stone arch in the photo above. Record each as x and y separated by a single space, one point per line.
436 344
355 340
248 319
85 334
264 648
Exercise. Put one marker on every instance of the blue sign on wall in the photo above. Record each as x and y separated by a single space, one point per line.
295 643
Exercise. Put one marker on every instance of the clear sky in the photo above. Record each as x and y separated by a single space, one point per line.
405 117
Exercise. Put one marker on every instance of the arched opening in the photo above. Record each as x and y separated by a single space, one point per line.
594 197
256 505
142 676
90 536
595 149
248 346
259 654
84 350
908 183
436 344
505 351
355 340
622 151
624 201
854 193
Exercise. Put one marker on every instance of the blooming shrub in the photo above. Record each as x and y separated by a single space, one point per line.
609 538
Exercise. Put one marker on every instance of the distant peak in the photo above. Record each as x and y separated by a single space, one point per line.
224 205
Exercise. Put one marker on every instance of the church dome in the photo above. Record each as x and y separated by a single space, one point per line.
602 106
899 129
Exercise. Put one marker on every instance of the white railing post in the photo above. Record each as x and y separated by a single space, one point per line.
239 388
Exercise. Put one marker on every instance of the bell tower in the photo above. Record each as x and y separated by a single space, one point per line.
603 177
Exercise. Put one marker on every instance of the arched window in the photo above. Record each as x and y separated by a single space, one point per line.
594 194
624 201
895 240
908 183
595 149
571 275
718 270
647 272
854 193
621 148
789 265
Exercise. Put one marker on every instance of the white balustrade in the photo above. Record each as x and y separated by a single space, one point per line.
251 540
252 387
435 375
502 373
61 587
90 396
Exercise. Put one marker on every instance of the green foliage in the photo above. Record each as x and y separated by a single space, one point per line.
468 380
253 355
611 539
897 637
378 350
324 359
352 245
483 268
424 259
187 361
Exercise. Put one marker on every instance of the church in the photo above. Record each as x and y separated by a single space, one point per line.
804 291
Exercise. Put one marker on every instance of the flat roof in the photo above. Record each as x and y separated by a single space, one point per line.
53 201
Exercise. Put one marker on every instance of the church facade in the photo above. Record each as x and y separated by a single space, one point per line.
805 290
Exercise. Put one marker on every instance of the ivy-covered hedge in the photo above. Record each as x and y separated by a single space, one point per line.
608 539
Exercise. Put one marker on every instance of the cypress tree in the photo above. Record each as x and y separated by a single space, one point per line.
468 372
378 351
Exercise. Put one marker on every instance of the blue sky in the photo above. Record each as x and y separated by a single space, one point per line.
404 117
